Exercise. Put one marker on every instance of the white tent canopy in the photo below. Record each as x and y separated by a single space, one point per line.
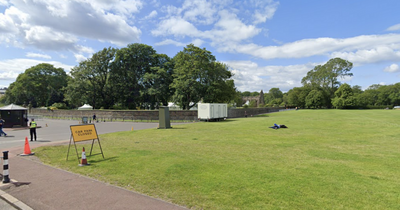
13 107
85 107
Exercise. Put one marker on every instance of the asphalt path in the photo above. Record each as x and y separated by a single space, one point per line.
59 130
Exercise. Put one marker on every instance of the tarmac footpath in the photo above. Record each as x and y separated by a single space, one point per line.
43 187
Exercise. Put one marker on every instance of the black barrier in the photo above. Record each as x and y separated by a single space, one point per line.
6 178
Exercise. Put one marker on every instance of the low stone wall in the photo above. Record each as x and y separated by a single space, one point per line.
146 115
235 113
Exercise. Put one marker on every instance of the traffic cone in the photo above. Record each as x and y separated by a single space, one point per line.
132 128
83 159
27 149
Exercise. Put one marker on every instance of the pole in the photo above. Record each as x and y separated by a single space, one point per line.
6 178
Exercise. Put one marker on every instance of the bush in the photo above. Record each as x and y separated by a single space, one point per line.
58 106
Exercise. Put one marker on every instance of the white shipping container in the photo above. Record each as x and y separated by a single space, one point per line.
212 111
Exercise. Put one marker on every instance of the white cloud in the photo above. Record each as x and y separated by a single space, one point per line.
32 21
48 39
394 28
261 16
121 7
3 3
226 26
63 56
37 55
79 57
152 15
249 76
170 42
228 29
356 49
10 69
392 68
199 11
196 42
176 26
375 55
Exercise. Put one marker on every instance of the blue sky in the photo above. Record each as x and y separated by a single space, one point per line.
265 43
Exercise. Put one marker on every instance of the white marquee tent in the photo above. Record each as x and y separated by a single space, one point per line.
85 107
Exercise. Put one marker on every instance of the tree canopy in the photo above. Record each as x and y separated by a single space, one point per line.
326 77
40 85
198 76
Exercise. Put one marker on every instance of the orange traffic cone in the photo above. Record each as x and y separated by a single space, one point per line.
27 149
83 159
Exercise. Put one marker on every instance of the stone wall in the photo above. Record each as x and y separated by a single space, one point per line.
109 115
234 113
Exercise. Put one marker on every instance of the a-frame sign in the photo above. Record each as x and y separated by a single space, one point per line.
83 133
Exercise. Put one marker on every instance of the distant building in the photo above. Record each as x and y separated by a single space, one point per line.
259 99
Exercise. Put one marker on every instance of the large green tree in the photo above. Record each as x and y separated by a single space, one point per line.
127 75
315 99
218 87
344 97
274 96
297 96
198 76
326 77
90 81
40 85
157 82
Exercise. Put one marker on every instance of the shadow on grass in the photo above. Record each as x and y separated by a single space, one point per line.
102 160
222 121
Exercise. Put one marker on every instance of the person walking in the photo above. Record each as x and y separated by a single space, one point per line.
94 118
32 130
1 127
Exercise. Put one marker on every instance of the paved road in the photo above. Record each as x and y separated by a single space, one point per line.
38 186
59 130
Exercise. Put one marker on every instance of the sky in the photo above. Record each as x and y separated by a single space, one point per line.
265 43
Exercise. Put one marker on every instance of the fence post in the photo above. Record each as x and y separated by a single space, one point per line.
6 178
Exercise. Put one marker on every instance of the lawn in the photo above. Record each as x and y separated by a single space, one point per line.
326 159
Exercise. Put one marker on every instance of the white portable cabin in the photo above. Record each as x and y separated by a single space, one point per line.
212 111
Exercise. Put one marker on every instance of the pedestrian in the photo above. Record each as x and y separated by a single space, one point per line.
32 130
94 117
1 127
245 114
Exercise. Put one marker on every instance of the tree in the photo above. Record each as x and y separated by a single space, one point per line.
344 97
40 85
90 81
297 96
326 76
274 96
218 87
357 89
157 82
127 74
237 100
198 76
315 99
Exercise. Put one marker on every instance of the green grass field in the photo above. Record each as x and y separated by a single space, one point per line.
326 159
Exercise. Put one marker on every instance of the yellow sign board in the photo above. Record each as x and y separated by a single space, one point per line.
83 132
